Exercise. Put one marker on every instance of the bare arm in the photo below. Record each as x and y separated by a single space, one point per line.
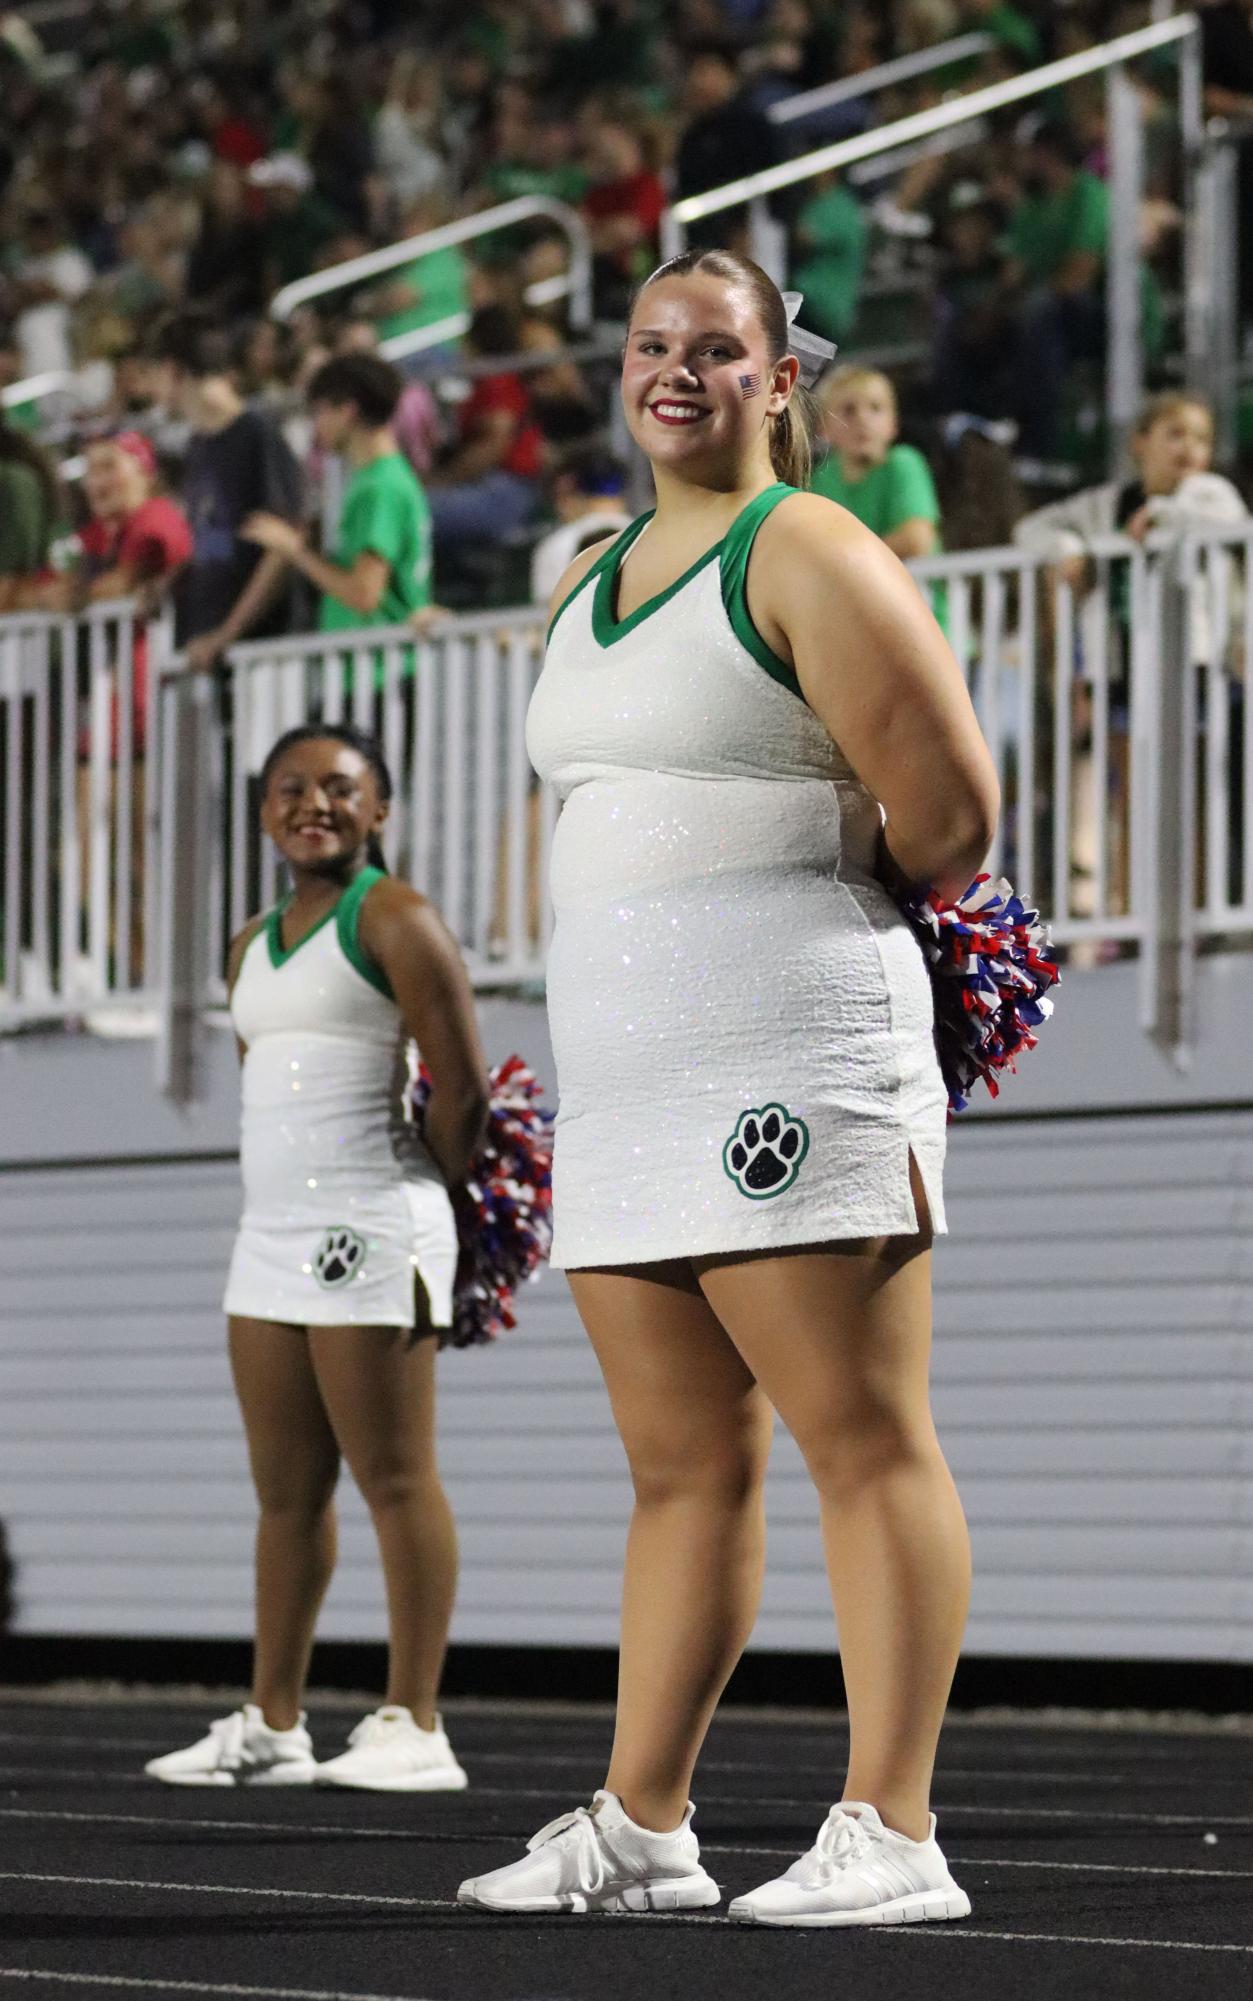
878 672
360 587
406 936
915 537
235 959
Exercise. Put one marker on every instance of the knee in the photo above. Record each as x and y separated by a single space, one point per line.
391 1485
847 1450
724 1473
300 1505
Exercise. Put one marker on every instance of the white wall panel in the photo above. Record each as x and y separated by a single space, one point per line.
1093 1385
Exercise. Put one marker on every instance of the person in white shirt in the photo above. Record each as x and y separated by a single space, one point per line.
588 500
1174 490
51 277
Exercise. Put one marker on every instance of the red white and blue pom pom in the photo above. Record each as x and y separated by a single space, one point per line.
991 964
503 1208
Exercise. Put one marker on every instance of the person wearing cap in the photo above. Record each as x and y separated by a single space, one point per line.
136 539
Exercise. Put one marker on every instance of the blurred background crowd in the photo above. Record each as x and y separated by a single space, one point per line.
158 158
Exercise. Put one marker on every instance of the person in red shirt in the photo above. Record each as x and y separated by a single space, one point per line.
490 483
623 210
133 544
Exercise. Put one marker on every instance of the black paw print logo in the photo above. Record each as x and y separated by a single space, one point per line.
764 1153
338 1257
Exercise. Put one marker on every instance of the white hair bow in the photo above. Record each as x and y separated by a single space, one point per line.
810 349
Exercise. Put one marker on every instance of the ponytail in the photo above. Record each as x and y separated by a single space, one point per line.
791 439
375 858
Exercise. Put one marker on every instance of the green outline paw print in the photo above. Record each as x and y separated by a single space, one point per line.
338 1258
764 1153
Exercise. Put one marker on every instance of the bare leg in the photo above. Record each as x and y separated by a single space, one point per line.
697 1435
839 1339
378 1384
295 1464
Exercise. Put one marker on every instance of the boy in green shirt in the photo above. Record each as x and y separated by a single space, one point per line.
888 486
381 571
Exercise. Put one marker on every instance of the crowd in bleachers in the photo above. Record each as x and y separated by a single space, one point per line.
166 170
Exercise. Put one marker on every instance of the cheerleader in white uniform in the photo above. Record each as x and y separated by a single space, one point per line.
331 1341
751 1119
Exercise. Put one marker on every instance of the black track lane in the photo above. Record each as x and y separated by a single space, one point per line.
1059 1835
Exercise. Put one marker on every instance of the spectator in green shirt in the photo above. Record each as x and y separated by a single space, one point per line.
1056 242
831 241
380 573
887 485
30 509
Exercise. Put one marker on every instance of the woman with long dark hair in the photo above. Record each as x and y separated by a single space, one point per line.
345 1206
755 726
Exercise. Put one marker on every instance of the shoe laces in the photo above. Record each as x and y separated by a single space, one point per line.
577 1831
228 1733
377 1726
842 1841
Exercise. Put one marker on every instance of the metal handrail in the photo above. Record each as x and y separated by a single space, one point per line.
37 388
900 69
577 282
919 125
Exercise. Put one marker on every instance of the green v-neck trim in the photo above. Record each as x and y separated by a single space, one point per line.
280 953
606 625
345 912
592 574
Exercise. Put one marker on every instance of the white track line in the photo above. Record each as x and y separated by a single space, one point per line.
1063 1938
792 1801
668 1917
448 1904
1030 1775
344 1833
42 1973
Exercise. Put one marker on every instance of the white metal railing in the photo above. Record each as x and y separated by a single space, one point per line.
1115 711
78 825
866 83
574 283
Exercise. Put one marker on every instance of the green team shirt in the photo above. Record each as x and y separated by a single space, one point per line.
385 514
439 279
1046 229
885 497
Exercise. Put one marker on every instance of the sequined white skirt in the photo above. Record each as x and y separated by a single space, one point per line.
349 1263
742 1026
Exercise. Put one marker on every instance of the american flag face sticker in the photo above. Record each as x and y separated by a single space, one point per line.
750 385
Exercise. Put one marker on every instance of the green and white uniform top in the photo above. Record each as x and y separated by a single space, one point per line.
740 1017
341 1200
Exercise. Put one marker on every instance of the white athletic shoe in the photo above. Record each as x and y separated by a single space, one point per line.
241 1750
858 1872
596 1859
389 1753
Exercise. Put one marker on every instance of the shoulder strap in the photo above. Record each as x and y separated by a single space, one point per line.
613 554
736 550
348 927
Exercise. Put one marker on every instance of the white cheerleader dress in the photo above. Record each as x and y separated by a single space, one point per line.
343 1204
741 1019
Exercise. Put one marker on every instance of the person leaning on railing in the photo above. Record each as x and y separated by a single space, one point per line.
1174 489
380 573
238 462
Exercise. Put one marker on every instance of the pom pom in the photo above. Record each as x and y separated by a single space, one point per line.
992 965
503 1209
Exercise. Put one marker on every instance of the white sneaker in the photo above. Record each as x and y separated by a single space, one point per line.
595 1859
241 1750
858 1872
389 1753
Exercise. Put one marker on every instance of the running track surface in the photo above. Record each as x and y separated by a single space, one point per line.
1101 1861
